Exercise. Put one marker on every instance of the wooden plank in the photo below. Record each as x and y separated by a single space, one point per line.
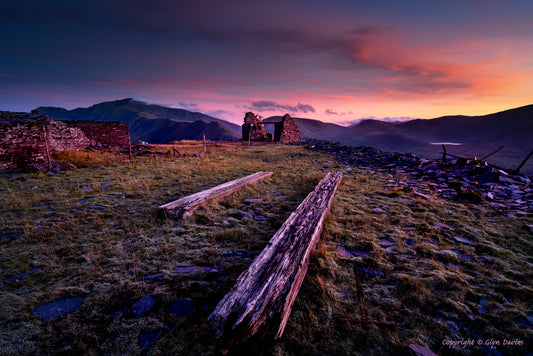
266 291
184 207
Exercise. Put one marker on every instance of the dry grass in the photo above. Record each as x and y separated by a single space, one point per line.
94 233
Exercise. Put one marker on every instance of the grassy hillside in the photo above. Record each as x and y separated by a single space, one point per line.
94 233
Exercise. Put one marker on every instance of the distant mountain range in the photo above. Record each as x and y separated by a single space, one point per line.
150 122
470 135
463 135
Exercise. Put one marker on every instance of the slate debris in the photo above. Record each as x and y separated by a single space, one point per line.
238 254
243 214
54 310
13 235
462 239
421 351
371 272
143 305
482 307
23 274
147 339
182 307
352 253
465 180
191 269
152 277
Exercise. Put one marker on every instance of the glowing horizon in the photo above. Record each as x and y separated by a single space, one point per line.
339 62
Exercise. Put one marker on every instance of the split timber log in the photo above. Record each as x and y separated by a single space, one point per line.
184 207
266 291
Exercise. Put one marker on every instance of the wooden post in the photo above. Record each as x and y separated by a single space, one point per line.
205 149
490 154
129 146
266 291
184 207
443 154
46 147
524 162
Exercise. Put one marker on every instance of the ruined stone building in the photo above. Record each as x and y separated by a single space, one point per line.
253 128
285 131
27 139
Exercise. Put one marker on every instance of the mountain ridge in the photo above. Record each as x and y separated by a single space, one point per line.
150 122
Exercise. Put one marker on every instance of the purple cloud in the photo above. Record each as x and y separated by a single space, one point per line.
266 105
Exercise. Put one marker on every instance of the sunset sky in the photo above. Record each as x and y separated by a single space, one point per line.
328 60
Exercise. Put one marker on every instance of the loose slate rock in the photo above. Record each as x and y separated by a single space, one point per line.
259 218
147 339
371 272
11 236
253 200
243 214
463 257
462 239
143 305
153 276
54 310
421 351
23 274
86 199
238 254
440 226
190 269
390 249
96 208
183 307
352 253
482 307
403 256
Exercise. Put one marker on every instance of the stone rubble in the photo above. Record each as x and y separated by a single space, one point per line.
459 179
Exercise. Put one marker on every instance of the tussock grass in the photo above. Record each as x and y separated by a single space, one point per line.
94 233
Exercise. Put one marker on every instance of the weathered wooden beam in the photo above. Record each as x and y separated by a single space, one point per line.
184 207
266 291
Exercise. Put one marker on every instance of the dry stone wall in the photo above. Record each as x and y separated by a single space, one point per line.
20 143
25 138
286 131
106 134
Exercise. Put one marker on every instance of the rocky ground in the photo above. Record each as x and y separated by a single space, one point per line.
455 178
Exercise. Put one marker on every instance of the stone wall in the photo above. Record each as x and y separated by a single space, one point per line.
106 134
286 131
24 138
20 143
253 128
63 137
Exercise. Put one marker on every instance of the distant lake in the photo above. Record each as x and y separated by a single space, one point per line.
446 143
